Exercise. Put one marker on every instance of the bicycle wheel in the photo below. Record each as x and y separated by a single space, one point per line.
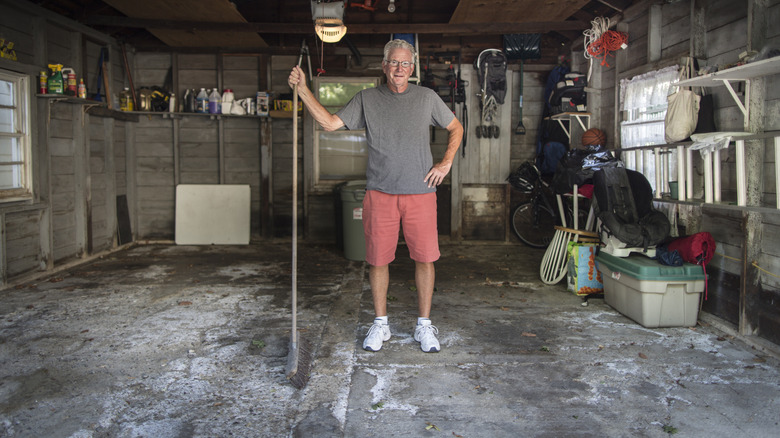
535 229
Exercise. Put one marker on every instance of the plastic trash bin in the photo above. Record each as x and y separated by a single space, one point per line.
352 194
338 216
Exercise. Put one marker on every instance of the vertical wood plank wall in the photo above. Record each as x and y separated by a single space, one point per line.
194 148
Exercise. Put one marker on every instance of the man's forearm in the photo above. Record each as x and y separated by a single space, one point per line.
330 122
453 141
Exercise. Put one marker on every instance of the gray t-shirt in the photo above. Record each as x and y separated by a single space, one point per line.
398 134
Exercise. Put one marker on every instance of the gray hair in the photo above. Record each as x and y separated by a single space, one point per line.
398 44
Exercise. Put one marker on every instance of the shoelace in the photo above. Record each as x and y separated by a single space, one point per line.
428 328
373 329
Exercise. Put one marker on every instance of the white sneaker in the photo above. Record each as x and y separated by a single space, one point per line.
425 334
377 334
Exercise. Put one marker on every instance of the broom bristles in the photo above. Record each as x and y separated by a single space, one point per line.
299 361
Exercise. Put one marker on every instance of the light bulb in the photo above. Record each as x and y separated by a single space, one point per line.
391 6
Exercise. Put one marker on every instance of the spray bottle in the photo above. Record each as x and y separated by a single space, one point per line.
55 79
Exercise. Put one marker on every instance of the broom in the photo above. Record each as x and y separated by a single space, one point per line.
299 356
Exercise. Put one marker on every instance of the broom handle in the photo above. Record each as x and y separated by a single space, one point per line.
295 214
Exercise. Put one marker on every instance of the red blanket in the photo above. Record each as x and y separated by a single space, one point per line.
698 249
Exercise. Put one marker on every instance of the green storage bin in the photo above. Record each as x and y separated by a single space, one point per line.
352 194
652 294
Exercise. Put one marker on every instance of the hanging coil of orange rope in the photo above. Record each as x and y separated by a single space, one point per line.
600 41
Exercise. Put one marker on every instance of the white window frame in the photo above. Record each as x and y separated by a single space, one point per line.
22 128
316 129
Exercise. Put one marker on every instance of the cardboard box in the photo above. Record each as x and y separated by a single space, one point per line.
652 294
583 278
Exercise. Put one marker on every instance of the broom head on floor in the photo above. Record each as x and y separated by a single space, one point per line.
299 360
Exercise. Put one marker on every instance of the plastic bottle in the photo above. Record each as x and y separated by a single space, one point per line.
227 101
144 99
189 101
82 89
130 105
55 79
69 82
215 102
122 101
125 100
202 102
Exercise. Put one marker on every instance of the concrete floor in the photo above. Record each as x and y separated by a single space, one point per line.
167 341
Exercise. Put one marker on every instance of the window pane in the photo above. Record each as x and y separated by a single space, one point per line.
9 150
339 93
10 174
343 154
11 177
7 120
6 93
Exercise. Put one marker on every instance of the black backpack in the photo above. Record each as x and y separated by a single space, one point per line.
623 201
569 94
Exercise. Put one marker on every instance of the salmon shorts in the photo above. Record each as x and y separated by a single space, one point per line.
383 214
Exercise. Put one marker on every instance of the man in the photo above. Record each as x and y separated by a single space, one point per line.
401 179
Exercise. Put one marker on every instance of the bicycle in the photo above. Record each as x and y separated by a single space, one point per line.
534 221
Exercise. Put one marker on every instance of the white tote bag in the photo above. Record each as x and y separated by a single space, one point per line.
682 112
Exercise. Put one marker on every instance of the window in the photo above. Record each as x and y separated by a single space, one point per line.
15 177
643 104
643 101
343 154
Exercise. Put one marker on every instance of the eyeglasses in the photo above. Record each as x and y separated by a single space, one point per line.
395 63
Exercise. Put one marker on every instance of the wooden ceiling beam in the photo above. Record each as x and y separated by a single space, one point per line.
352 28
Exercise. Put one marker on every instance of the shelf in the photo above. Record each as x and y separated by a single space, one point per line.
568 117
744 72
765 67
567 114
71 99
92 107
170 115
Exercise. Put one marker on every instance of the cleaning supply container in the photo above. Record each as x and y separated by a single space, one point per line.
55 83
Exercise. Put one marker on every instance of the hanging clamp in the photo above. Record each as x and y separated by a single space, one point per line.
305 50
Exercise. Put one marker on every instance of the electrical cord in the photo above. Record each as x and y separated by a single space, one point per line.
599 41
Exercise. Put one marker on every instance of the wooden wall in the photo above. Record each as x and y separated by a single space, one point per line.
280 168
71 214
194 148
